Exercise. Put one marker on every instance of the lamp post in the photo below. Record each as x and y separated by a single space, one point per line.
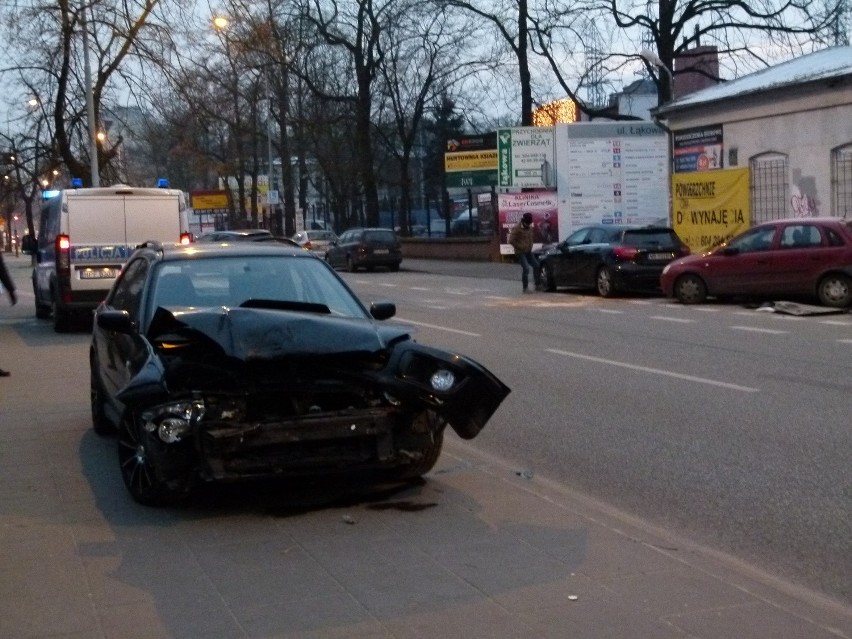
654 60
90 102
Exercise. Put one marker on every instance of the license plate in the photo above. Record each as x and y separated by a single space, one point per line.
98 274
381 251
659 256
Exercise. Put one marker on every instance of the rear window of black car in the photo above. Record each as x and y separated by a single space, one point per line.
651 238
380 237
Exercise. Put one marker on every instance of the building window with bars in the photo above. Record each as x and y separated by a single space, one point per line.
841 181
769 187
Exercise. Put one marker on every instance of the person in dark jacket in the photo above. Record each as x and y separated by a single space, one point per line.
9 285
521 239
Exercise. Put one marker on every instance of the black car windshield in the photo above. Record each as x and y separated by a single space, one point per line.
380 237
231 281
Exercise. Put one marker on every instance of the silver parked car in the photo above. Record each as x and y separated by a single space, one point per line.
316 241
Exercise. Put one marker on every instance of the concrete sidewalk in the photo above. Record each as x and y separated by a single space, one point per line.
479 550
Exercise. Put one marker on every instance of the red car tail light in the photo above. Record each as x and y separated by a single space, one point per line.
185 238
63 266
625 252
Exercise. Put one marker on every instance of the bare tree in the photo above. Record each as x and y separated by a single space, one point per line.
48 61
353 29
745 32
427 53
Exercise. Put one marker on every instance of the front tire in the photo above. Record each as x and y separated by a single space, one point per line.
429 454
604 282
549 278
101 425
144 479
835 290
690 289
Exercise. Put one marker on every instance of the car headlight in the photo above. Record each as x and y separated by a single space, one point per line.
171 422
442 380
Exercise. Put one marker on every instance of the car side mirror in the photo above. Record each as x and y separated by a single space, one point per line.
28 244
382 310
116 321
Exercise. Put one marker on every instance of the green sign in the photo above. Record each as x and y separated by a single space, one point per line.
463 179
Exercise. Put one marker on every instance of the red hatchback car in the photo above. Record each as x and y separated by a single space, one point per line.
798 256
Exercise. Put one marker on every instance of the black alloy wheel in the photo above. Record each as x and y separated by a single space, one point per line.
143 478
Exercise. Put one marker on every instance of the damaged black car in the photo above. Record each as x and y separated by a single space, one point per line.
224 363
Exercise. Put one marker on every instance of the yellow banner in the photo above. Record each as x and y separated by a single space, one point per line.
710 207
471 161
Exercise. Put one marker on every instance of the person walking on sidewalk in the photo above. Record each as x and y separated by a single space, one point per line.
9 285
521 239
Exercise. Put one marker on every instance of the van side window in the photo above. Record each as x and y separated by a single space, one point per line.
128 289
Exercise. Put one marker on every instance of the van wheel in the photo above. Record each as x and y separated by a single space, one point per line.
61 319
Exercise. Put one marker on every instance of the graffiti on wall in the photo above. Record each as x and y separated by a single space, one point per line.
804 200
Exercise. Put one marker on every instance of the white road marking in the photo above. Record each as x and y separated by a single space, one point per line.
436 307
845 341
753 329
656 371
607 310
439 328
835 323
682 320
419 288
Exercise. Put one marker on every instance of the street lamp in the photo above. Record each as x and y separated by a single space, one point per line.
654 60
221 23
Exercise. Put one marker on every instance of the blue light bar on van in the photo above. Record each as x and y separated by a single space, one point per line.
162 183
46 195
77 183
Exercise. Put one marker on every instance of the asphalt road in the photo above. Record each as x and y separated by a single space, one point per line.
722 422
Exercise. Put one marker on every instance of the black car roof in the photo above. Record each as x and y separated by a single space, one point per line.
200 251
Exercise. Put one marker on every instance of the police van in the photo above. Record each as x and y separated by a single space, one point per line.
87 234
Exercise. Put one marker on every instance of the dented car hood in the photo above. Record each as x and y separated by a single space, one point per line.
258 333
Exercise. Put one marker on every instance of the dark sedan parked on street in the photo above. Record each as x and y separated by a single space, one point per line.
365 248
799 256
226 362
611 258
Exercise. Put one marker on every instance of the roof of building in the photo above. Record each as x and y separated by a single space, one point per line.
830 63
